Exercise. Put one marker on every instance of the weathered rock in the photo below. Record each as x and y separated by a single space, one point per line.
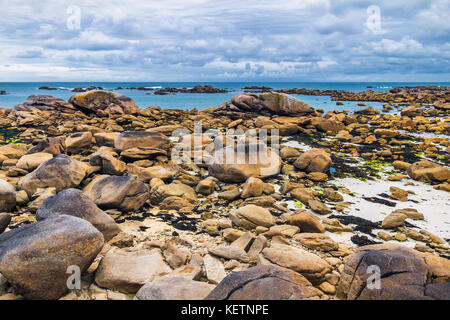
165 130
332 195
278 103
175 189
12 151
5 219
317 241
253 187
174 256
307 221
386 133
176 203
7 196
398 194
289 153
282 230
127 272
61 172
328 125
231 234
39 197
427 171
302 194
439 267
107 162
147 174
319 207
229 252
403 274
238 163
229 195
311 266
30 162
104 103
174 288
134 139
411 213
73 202
105 138
52 145
393 220
251 216
207 186
285 104
411 111
317 176
35 258
78 142
215 270
314 160
264 282
140 153
125 193
438 291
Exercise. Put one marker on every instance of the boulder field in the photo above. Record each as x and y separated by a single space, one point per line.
103 200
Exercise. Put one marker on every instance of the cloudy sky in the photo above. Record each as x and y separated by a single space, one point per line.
227 40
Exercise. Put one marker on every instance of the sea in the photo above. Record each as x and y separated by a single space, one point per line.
17 92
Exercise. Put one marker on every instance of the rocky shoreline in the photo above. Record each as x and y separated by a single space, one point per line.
93 183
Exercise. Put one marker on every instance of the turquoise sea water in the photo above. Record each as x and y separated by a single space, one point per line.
17 92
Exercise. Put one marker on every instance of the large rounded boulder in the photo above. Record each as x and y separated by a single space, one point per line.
60 172
264 282
239 162
403 275
272 102
174 288
75 203
314 160
104 103
125 193
427 171
35 259
284 104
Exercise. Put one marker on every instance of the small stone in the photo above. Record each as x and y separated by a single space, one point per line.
251 216
232 234
393 220
215 271
398 194
317 241
230 253
282 230
332 195
328 288
411 213
174 256
253 187
384 236
400 236
319 207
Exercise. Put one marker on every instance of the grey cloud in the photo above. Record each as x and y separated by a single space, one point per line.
304 40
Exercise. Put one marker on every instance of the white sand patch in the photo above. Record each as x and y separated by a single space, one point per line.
423 134
296 144
434 204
